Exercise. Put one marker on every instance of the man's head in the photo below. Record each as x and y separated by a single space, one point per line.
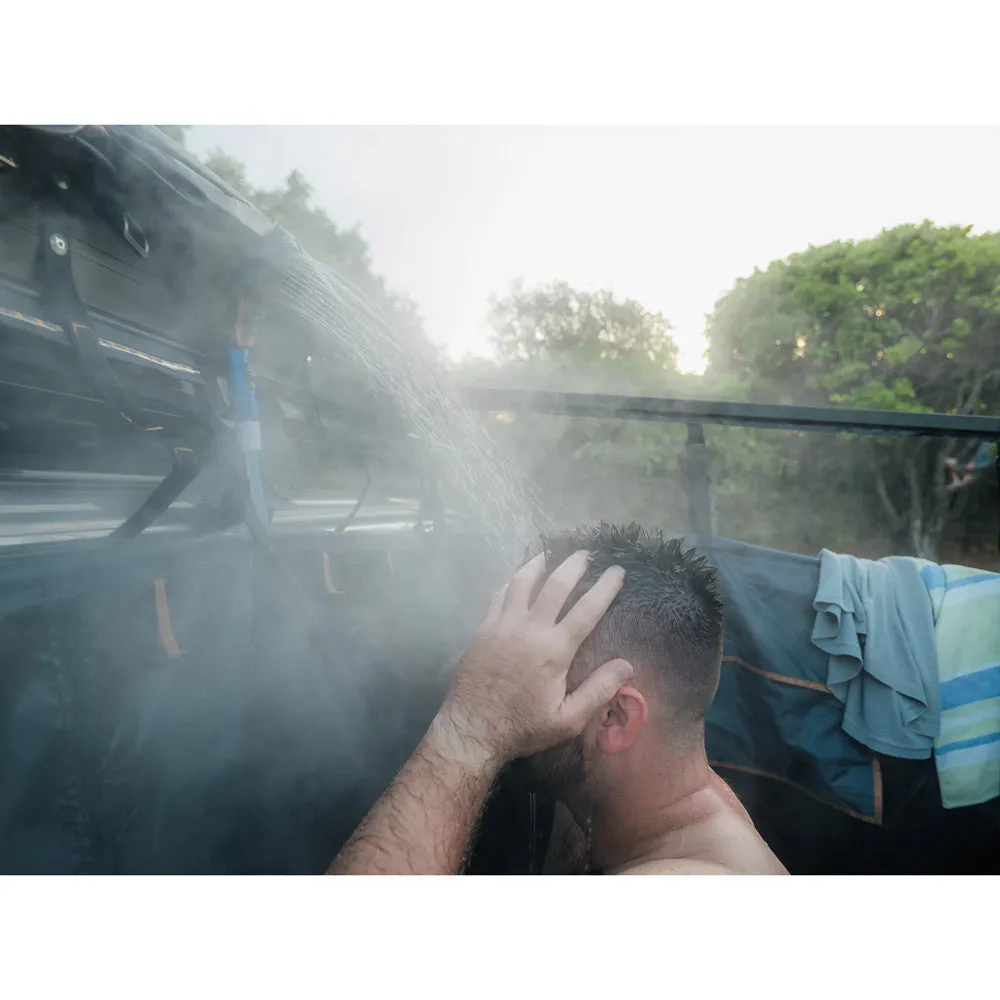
667 622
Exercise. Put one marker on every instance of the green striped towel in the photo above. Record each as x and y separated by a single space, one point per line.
966 607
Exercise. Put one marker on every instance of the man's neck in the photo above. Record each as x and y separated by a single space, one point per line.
632 826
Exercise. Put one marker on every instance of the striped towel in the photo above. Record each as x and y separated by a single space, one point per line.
966 607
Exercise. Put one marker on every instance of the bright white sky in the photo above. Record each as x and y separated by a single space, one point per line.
668 216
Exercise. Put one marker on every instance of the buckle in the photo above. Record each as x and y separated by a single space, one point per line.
134 236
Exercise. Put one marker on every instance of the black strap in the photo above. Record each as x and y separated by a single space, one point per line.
346 523
63 304
186 468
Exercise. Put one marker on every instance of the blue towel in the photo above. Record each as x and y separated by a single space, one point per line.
875 622
966 605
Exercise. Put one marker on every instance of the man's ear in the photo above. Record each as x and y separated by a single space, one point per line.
621 720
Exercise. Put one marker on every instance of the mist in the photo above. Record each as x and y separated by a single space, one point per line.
231 688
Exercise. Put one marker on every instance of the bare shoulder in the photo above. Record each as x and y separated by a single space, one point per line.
689 866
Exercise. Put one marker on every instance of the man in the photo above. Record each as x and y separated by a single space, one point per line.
593 669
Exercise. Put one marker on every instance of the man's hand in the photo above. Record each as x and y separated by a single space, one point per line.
509 697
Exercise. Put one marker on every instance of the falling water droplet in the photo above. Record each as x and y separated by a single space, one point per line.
587 833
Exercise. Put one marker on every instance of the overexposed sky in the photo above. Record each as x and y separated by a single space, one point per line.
668 216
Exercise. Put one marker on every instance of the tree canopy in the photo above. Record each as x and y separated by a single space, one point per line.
908 320
556 336
557 320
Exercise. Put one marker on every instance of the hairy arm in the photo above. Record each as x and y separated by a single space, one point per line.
423 824
509 699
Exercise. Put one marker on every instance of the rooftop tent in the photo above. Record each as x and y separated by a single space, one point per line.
189 685
124 267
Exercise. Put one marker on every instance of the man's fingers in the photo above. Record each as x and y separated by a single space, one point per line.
597 690
586 613
559 586
522 584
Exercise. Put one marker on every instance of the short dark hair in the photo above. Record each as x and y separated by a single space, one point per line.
668 617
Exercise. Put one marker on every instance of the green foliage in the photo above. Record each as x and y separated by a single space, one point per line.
908 320
556 337
559 321
767 487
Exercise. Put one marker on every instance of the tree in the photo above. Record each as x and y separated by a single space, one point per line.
908 320
621 469
556 321
557 337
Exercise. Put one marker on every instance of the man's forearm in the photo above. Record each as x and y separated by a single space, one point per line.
423 823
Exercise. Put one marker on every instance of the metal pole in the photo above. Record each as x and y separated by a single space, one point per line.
699 486
799 418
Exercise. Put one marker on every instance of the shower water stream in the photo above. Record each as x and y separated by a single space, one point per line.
493 489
